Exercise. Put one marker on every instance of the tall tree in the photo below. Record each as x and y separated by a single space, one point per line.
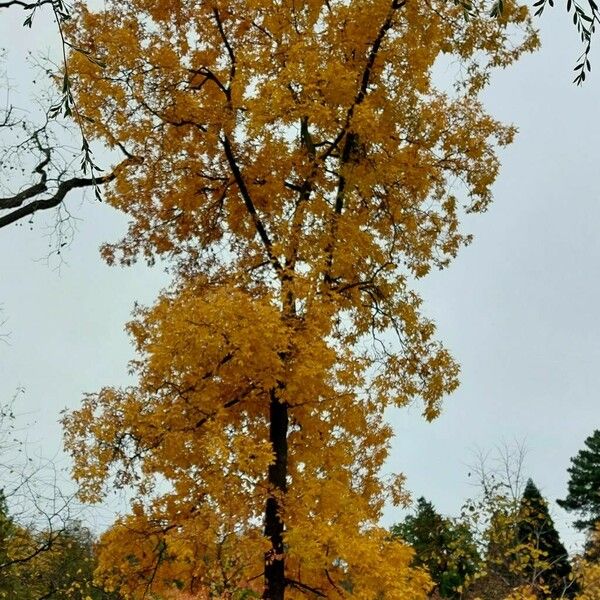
543 558
444 547
297 165
584 484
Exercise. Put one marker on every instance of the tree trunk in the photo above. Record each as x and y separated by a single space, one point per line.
274 558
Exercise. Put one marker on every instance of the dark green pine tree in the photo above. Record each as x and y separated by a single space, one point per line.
584 485
535 530
444 547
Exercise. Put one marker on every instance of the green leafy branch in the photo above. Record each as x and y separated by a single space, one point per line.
585 21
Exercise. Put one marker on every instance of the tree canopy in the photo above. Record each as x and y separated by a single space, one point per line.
50 183
297 166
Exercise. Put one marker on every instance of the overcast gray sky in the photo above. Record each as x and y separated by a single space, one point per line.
518 308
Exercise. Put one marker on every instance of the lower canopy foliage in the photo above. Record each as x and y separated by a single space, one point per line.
199 419
298 167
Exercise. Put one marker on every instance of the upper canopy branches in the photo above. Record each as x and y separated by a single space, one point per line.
305 135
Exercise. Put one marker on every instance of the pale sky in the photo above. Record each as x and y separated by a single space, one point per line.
518 308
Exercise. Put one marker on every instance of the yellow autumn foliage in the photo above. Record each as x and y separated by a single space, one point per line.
297 167
587 569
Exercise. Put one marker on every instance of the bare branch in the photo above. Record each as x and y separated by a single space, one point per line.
24 5
52 201
58 192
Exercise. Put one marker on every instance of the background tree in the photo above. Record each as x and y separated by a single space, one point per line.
446 548
492 514
587 570
65 571
8 581
35 568
542 557
297 166
44 553
583 495
492 519
522 556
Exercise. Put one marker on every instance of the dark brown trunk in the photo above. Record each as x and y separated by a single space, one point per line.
274 558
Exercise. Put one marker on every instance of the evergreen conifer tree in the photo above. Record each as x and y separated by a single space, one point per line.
547 559
444 547
584 485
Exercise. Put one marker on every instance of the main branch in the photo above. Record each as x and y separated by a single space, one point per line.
350 138
247 198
